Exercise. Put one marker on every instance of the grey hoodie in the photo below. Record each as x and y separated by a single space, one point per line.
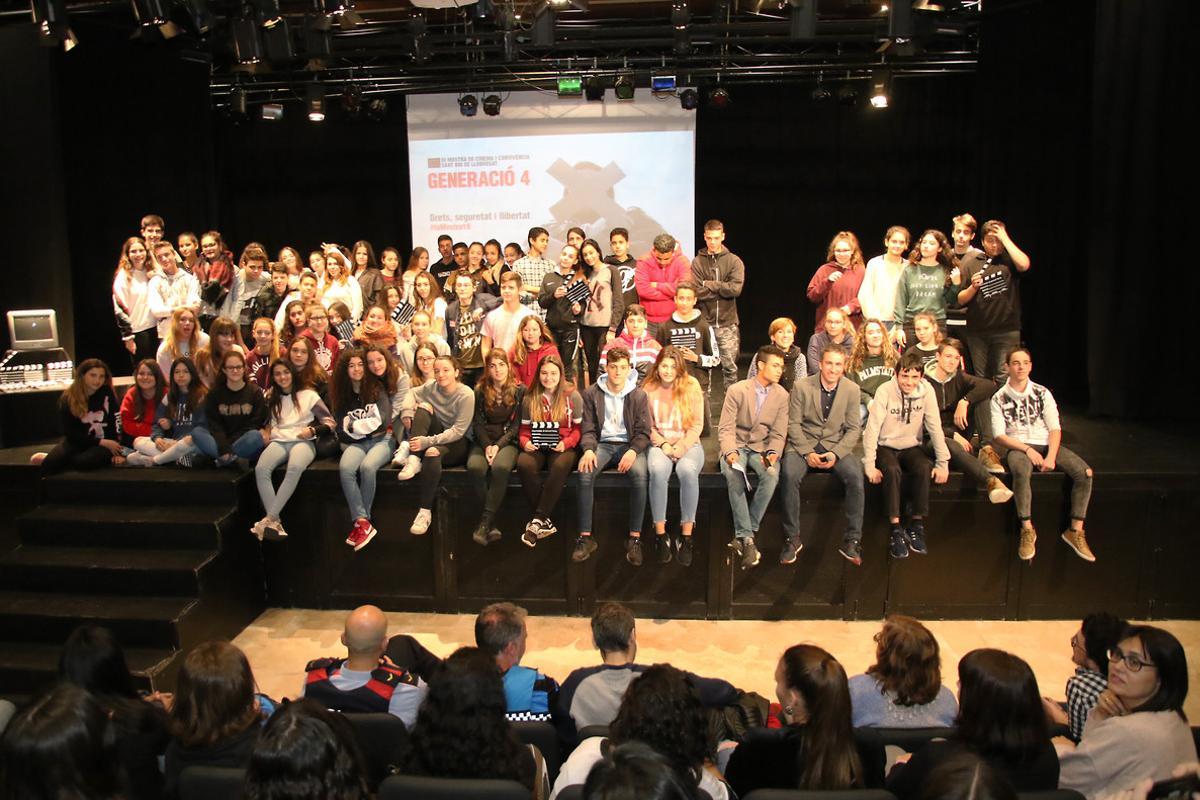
895 420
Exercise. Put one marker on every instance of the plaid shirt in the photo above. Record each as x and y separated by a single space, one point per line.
1083 691
532 270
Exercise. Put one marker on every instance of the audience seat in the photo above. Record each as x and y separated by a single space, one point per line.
797 794
545 737
576 793
414 787
910 740
588 731
205 783
1056 794
383 739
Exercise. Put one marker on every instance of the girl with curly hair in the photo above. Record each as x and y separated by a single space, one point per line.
835 284
872 361
930 282
903 688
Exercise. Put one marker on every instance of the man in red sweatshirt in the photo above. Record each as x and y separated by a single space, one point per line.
658 273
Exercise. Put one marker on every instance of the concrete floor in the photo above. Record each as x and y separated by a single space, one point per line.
281 641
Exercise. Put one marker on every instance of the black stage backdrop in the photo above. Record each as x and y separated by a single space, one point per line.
1066 132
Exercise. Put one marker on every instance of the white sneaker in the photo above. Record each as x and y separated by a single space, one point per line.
139 460
37 458
997 492
421 524
401 455
410 470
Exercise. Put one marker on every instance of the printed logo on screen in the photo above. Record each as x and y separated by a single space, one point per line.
434 163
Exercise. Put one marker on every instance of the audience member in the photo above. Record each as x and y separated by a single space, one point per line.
593 695
365 681
903 688
1000 719
966 776
306 752
501 632
635 771
1099 633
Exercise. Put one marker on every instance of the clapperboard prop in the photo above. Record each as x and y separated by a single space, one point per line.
544 435
578 291
684 337
403 313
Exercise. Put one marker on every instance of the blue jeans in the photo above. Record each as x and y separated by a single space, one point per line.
297 455
609 453
688 469
247 446
360 461
746 519
849 471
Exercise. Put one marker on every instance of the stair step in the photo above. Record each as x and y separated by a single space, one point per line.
50 617
162 527
98 570
130 485
26 667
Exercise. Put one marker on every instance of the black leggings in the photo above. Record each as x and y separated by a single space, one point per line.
567 341
145 346
491 480
452 454
593 341
896 465
543 495
66 456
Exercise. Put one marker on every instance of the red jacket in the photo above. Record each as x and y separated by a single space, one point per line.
842 292
659 299
568 428
527 372
132 428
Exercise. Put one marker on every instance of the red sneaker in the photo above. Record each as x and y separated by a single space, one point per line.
362 534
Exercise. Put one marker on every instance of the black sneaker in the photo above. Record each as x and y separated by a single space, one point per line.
584 547
684 547
633 551
750 555
791 549
736 546
851 550
480 534
915 535
664 548
899 548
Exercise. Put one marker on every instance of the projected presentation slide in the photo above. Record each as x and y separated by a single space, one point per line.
552 162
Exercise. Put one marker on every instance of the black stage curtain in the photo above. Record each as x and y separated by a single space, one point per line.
1143 286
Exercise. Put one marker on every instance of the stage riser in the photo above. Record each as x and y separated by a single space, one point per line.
972 571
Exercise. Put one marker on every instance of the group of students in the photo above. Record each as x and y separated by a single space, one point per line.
607 363
1120 727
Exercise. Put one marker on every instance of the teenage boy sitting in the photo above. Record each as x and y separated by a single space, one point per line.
901 413
616 428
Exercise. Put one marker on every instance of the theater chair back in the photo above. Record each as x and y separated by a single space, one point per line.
910 740
382 738
797 794
545 737
414 787
204 783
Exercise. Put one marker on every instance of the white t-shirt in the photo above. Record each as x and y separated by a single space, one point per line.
575 770
500 325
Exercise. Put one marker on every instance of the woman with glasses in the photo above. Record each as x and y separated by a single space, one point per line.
1137 729
235 413
1098 634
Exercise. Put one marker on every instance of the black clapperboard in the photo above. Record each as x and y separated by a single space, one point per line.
544 435
578 291
403 313
685 337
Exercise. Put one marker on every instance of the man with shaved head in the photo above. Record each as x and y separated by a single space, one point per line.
365 681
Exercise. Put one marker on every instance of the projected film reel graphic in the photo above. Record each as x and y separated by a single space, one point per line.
589 201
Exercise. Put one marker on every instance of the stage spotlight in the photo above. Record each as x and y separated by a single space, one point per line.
594 88
881 88
804 19
352 100
847 95
662 84
154 19
420 41
272 112
53 30
247 49
689 99
468 105
623 87
719 98
820 94
377 109
340 10
199 15
268 13
237 105
277 40
570 86
543 28
491 105
680 16
314 95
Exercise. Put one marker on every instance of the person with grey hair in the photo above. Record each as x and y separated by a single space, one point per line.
500 631
657 274
592 695
365 681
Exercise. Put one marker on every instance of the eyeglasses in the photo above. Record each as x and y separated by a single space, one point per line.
1075 642
234 367
1132 661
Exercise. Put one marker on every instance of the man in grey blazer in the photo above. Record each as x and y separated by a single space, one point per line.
823 428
